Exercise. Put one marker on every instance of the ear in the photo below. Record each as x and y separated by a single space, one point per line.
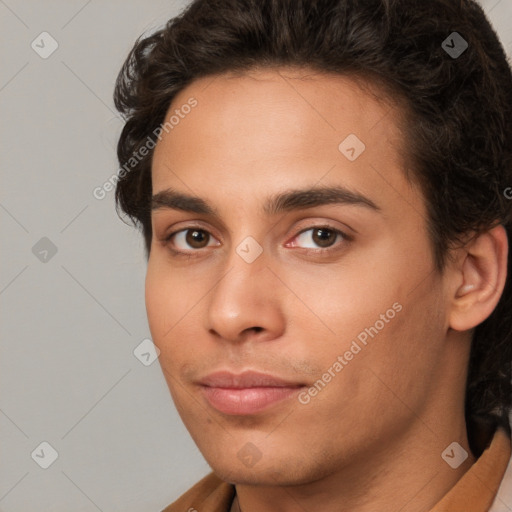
480 279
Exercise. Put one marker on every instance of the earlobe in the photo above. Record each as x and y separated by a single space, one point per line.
484 270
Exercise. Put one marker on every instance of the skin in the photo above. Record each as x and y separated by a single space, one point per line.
372 438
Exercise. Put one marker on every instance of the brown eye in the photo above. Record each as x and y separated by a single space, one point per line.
197 238
324 237
190 240
319 237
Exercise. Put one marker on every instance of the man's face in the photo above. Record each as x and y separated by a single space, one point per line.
337 299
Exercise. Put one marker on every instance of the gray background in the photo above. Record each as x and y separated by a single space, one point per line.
69 325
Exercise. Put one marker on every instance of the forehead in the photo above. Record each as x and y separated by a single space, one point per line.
277 126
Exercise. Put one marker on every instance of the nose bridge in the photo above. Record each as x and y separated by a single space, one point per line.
243 278
244 298
246 258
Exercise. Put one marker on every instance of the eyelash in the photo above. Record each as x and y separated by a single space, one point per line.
190 254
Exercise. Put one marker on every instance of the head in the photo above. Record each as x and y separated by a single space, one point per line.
395 258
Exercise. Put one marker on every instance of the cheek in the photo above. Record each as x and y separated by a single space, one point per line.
157 304
379 312
174 310
167 302
164 312
337 303
401 356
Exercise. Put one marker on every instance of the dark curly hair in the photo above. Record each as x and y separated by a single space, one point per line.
458 129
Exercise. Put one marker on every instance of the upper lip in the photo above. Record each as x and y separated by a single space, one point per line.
247 379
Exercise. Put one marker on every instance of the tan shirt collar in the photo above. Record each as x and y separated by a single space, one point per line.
477 488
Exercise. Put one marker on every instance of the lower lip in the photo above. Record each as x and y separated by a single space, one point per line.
246 400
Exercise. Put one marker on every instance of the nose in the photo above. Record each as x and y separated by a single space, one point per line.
246 302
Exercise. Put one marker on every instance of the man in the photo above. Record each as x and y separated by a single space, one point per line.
322 188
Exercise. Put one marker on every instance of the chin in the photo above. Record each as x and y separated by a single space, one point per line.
270 473
251 476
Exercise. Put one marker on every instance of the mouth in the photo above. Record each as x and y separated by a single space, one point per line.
246 393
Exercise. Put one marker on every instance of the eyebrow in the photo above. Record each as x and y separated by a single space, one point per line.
289 200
